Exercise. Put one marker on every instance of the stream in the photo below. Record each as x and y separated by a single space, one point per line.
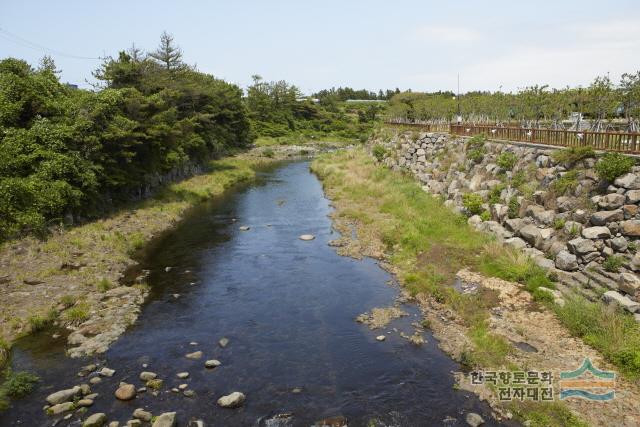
287 307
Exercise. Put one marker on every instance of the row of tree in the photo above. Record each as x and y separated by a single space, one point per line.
67 151
601 100
342 94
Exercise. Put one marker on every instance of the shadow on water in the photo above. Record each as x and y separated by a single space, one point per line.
287 307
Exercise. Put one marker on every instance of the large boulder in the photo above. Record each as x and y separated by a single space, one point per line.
619 244
629 283
596 233
614 297
611 201
580 246
566 261
530 233
605 217
631 228
633 196
630 181
516 224
572 228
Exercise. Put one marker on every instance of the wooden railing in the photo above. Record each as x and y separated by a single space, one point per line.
427 127
605 141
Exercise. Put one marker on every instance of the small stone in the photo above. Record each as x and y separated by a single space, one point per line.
168 419
213 363
114 424
107 372
146 376
143 415
629 283
189 393
245 228
232 400
566 261
473 419
95 380
126 392
85 402
168 269
183 386
194 356
307 237
182 375
223 342
596 233
155 384
134 423
381 338
95 420
60 408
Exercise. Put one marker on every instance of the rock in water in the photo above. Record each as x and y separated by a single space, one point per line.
146 376
232 400
307 237
143 415
381 338
223 342
106 372
245 228
63 395
194 356
338 421
95 420
168 419
126 392
213 363
474 420
182 375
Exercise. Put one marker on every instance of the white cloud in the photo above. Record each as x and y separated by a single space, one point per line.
444 34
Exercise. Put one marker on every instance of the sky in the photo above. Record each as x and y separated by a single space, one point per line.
421 45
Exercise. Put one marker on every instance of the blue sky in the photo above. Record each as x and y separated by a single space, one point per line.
371 44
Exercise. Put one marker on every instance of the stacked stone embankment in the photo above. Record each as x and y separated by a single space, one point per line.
581 228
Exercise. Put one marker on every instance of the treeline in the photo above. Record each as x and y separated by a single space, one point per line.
66 151
277 109
601 100
342 94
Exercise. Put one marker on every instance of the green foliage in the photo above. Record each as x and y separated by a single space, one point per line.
74 151
613 263
545 414
513 266
472 203
558 223
268 152
77 314
507 160
485 215
614 333
612 165
104 285
379 152
494 194
514 208
476 155
68 300
567 183
571 156
19 384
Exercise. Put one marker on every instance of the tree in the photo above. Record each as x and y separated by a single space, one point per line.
168 54
47 64
630 94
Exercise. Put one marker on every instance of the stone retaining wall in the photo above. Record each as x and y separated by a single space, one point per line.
584 230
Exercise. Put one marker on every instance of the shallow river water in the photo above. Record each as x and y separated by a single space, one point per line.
287 307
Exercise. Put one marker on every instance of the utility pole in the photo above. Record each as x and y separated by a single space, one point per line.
459 118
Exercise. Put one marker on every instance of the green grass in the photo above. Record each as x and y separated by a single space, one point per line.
68 300
77 314
104 285
613 263
570 156
614 333
567 183
38 322
545 414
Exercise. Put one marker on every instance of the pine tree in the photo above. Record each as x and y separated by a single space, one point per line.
168 54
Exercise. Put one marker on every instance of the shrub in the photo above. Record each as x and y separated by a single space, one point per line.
76 315
558 223
494 194
476 141
573 155
477 154
268 152
379 152
104 285
567 183
514 208
518 179
485 216
19 384
612 264
612 165
68 300
472 203
507 160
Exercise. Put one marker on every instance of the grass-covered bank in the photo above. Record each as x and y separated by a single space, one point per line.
426 244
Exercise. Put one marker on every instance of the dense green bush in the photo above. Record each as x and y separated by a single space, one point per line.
379 152
572 155
612 165
507 160
472 203
68 151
